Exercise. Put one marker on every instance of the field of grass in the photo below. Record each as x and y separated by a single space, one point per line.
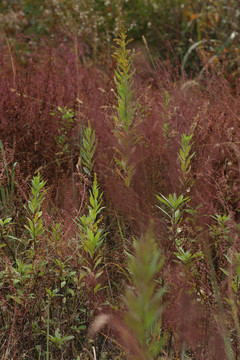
119 194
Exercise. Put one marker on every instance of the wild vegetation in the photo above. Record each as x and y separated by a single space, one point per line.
119 182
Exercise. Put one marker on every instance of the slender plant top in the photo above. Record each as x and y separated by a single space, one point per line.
125 125
88 149
35 225
123 81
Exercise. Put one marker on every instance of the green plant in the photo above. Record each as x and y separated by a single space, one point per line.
173 207
4 236
91 236
222 318
59 340
144 335
220 233
35 225
186 257
50 296
126 127
233 273
88 149
90 233
7 186
185 157
65 119
23 276
66 278
233 277
221 230
166 124
145 299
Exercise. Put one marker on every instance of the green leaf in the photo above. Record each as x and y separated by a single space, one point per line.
63 283
97 287
20 292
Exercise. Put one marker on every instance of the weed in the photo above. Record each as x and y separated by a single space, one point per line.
145 299
66 121
35 225
88 149
185 157
7 186
126 127
91 236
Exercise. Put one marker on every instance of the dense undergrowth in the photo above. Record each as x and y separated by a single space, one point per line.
119 208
